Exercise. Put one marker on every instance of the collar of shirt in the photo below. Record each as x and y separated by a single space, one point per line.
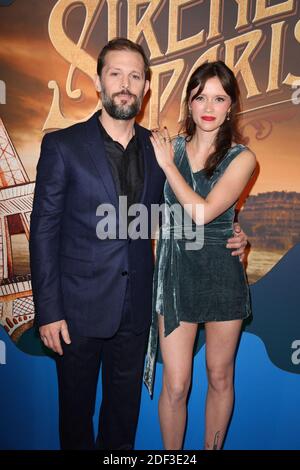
108 139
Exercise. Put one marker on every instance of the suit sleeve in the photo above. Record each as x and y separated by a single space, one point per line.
45 226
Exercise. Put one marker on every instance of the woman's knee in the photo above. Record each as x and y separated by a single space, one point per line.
177 390
220 378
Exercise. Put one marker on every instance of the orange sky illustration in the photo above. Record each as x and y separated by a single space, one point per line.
28 62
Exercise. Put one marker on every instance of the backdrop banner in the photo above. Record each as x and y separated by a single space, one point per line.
48 60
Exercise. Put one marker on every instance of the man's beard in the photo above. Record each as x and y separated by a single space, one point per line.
120 111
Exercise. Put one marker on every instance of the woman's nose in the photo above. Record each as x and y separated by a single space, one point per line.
209 106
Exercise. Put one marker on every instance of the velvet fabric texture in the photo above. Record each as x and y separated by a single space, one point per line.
193 283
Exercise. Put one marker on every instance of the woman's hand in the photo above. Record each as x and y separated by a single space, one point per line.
238 242
163 148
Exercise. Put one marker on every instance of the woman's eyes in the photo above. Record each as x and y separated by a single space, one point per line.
219 99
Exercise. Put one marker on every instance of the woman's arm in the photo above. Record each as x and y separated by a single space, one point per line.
224 194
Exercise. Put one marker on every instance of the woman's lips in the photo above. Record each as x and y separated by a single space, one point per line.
208 118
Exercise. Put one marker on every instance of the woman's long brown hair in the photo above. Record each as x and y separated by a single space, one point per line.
228 131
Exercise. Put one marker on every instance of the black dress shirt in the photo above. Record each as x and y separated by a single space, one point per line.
126 165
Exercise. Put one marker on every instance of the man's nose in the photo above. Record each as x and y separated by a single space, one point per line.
125 82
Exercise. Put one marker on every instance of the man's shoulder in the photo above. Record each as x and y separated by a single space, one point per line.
75 131
142 130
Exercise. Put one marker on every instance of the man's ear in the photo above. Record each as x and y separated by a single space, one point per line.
146 87
97 83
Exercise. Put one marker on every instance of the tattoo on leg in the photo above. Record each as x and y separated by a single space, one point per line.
216 441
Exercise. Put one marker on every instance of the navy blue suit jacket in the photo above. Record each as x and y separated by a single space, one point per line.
75 275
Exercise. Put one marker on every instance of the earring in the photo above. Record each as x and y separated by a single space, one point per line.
228 116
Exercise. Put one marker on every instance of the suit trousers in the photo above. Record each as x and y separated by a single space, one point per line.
122 358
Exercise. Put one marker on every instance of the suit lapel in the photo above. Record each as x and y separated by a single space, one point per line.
97 153
144 142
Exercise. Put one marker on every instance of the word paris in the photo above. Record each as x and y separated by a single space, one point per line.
180 35
136 222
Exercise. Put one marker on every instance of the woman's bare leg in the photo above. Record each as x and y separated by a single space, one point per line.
221 343
177 353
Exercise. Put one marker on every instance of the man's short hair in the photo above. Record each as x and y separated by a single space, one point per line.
122 44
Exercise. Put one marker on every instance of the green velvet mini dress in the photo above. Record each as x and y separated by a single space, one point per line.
195 285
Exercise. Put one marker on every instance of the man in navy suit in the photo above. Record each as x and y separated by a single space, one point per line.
93 296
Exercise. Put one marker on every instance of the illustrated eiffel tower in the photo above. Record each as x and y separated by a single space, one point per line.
16 197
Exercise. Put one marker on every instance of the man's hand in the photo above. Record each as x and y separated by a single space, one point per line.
50 335
238 242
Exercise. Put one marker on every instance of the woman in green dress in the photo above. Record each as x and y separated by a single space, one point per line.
206 171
